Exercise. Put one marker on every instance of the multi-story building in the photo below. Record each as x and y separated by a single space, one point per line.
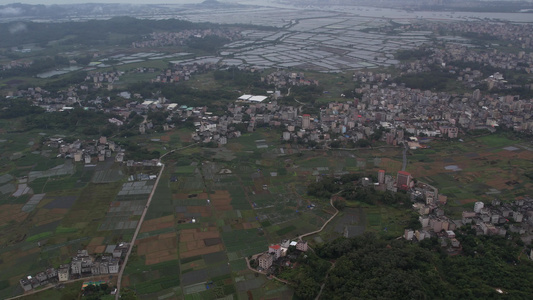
113 266
403 180
306 121
25 284
276 250
302 246
381 176
64 272
51 273
478 206
265 260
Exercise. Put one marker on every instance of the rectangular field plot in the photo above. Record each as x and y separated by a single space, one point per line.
244 242
136 188
199 241
158 249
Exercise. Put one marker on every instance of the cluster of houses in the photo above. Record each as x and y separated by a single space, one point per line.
81 265
519 34
449 53
101 78
495 219
278 254
183 72
162 39
426 112
283 78
490 219
18 63
87 151
380 104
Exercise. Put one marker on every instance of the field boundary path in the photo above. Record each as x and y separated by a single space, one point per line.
327 222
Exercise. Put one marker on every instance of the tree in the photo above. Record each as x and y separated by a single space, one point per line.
307 289
339 203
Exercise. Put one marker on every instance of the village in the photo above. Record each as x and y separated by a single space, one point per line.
83 265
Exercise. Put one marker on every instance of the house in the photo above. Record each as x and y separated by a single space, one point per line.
276 250
63 273
455 243
51 273
95 269
104 267
123 247
113 266
265 260
87 158
119 157
34 281
78 156
43 279
302 246
117 253
25 284
75 265
408 234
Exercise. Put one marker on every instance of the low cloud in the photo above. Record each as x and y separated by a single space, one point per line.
17 28
10 11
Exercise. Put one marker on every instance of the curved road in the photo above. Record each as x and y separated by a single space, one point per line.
326 223
300 238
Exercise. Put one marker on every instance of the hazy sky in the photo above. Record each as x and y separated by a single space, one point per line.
3 2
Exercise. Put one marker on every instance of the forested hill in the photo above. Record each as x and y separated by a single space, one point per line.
370 268
118 30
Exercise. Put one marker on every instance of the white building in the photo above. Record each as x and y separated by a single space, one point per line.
478 206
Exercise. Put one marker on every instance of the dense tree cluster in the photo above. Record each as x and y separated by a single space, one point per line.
306 93
77 118
370 268
96 292
437 80
370 195
36 67
100 32
307 277
322 189
349 187
208 43
413 53
14 108
238 77
183 94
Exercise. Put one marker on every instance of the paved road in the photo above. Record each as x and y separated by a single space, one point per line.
53 286
119 280
404 164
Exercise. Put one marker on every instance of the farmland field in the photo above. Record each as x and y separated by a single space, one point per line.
214 207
